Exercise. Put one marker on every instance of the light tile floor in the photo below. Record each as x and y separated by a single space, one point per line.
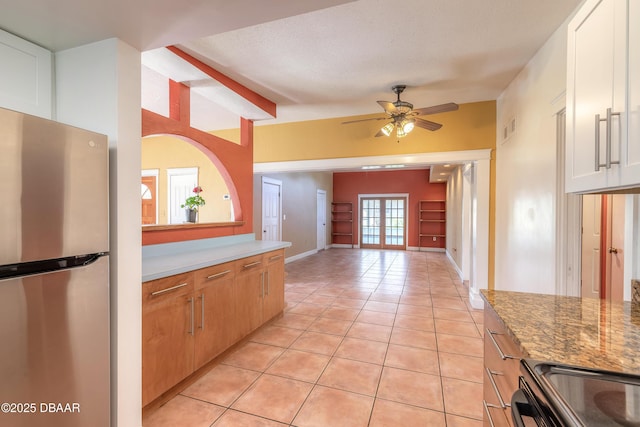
368 338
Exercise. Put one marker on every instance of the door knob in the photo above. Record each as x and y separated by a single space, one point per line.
613 250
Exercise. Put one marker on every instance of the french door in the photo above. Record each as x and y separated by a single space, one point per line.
383 222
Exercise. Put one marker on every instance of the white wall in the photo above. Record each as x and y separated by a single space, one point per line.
98 88
526 172
454 223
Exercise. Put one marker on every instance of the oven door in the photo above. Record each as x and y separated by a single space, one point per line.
527 411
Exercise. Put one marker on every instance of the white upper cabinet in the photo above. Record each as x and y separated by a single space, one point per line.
603 127
632 153
25 76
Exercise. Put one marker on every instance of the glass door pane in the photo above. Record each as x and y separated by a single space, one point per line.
394 222
371 222
382 223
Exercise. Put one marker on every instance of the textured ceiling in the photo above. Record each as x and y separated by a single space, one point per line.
316 59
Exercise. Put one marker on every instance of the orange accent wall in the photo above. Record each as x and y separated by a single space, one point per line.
348 185
235 163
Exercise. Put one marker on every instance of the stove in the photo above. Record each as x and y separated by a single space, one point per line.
558 395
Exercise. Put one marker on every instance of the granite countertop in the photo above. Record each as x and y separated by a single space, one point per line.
166 260
576 331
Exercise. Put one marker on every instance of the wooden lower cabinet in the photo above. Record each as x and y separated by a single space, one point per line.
273 301
215 313
501 370
189 319
249 291
167 334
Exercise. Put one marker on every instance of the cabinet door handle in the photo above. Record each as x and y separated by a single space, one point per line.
275 257
193 320
268 282
262 284
503 356
215 276
173 288
490 375
609 162
202 312
252 264
597 143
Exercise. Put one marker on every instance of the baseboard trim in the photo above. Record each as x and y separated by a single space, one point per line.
422 249
455 265
300 256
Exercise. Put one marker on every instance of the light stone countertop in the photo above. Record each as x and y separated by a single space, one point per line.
168 259
577 331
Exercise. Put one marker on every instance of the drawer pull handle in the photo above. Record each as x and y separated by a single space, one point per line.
486 410
503 356
275 257
253 264
215 276
490 375
173 288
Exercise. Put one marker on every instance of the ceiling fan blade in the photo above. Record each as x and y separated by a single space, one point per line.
388 107
365 120
443 108
428 125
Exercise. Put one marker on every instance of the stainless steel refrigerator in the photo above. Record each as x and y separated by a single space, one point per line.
54 274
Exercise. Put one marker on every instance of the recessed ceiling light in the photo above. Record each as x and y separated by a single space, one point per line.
371 167
393 166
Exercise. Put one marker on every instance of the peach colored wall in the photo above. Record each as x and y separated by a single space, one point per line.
348 185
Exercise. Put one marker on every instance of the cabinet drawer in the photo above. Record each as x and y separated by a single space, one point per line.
160 290
502 339
496 417
250 264
215 273
274 257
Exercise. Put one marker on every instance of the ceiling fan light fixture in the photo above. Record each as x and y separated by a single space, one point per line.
387 129
400 133
407 125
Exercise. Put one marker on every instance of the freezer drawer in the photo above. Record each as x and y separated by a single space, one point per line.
54 357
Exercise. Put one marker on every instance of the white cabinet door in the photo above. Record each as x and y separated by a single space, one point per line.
25 76
631 156
596 95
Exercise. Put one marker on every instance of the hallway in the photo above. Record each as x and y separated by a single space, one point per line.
368 338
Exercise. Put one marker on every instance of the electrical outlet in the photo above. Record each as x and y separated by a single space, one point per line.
434 238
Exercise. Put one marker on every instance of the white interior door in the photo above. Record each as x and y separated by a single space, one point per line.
271 208
181 181
615 247
321 220
591 224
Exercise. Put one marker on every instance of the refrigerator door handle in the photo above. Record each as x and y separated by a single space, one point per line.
48 265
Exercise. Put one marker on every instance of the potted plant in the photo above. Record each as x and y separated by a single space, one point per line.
193 203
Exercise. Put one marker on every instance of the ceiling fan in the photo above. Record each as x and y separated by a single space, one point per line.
404 117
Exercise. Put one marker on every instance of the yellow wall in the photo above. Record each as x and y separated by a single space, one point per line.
472 127
165 152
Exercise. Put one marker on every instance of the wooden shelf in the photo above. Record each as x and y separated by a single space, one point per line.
342 223
432 224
